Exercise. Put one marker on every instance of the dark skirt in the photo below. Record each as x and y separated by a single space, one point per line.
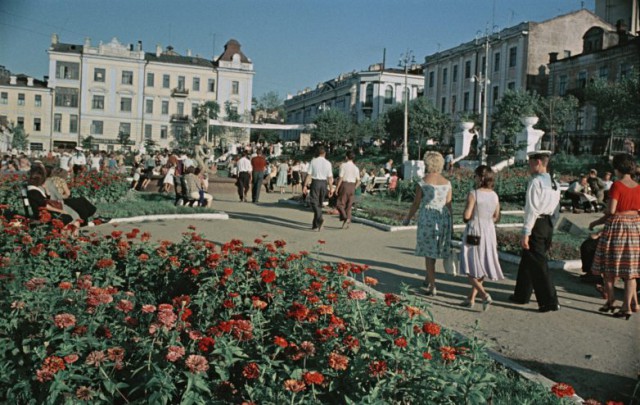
295 178
82 206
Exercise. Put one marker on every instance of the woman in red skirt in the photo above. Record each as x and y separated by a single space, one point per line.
618 251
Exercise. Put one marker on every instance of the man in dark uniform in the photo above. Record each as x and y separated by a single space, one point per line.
541 212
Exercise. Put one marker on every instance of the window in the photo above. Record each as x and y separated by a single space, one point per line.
388 95
368 99
180 108
580 120
125 128
125 104
211 86
98 75
513 56
445 72
194 109
38 100
581 83
127 77
467 69
496 61
454 74
96 127
36 146
150 79
20 98
166 81
511 85
196 84
147 131
179 131
443 105
73 124
181 83
97 103
165 107
496 95
465 101
66 97
21 122
163 132
67 70
562 85
4 98
454 101
603 72
432 78
57 123
37 124
149 106
235 87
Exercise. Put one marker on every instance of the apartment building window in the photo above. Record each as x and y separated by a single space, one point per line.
96 127
454 74
67 70
235 87
443 105
454 101
513 56
36 146
165 107
445 74
467 69
97 103
125 104
603 72
196 84
179 131
496 62
127 77
388 95
163 132
368 99
73 124
4 98
465 101
37 124
194 109
511 85
496 95
562 85
181 83
98 75
150 79
166 81
66 97
20 98
57 122
180 108
38 100
580 120
211 86
125 128
21 122
432 79
581 83
149 106
147 131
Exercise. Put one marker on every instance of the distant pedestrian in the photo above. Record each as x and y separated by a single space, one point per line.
319 181
348 181
244 176
259 167
283 170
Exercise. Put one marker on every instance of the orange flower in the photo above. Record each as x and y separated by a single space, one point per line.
294 386
282 342
448 353
313 378
63 321
562 390
338 361
370 281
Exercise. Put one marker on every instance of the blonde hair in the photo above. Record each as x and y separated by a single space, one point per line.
433 162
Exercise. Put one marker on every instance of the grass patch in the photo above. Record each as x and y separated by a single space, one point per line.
135 204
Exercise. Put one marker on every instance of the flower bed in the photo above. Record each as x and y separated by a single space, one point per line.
119 319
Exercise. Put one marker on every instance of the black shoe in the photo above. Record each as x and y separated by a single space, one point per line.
548 308
513 299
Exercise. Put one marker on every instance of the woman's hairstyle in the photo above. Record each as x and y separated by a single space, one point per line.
624 163
37 176
486 175
197 171
59 172
190 170
433 162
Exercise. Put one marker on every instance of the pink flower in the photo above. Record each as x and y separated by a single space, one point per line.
175 353
197 364
148 309
64 320
357 295
124 306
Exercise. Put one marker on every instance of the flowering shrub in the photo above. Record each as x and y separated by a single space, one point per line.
119 319
8 194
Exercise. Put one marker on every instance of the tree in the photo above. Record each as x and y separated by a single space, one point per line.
270 101
332 127
555 113
369 129
123 138
87 142
20 139
232 115
513 106
207 111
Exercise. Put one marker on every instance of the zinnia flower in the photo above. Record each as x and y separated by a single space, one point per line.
431 328
377 368
148 309
175 353
251 371
338 361
124 306
370 281
197 364
357 295
206 344
313 378
71 358
294 386
95 358
280 341
84 393
64 320
562 390
448 353
268 276
400 342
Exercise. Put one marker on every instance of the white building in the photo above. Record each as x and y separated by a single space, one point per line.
110 89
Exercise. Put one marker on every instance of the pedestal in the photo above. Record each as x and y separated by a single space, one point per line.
463 140
413 168
529 139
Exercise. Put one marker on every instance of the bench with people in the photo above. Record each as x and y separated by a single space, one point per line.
588 193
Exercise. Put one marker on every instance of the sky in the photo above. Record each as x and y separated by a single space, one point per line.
293 44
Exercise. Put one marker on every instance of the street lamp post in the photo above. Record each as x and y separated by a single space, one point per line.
483 83
406 60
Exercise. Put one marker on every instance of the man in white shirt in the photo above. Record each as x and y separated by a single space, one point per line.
64 161
244 176
96 159
78 161
348 180
541 212
319 180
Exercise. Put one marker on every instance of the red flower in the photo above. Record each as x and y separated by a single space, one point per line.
185 314
320 241
431 328
63 321
391 299
313 378
175 353
400 342
143 257
294 386
280 243
104 263
427 356
65 285
124 306
562 390
280 341
448 353
206 344
298 312
391 331
338 361
268 276
251 371
377 368
197 364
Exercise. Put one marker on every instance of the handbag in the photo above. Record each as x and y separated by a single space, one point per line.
473 240
450 265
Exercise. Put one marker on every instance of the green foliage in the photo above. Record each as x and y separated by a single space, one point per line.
124 139
207 111
333 126
617 104
87 142
20 140
270 102
555 113
513 106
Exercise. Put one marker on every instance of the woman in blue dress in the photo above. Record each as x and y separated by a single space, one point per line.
433 200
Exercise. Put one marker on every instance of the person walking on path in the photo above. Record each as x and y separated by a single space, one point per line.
618 250
433 197
320 178
348 181
283 170
244 176
259 166
541 212
479 253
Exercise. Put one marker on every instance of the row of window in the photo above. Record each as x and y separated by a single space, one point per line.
97 103
4 99
466 99
388 94
581 78
513 61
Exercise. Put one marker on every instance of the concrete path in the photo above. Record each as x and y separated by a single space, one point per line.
596 353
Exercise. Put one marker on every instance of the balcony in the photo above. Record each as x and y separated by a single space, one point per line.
179 118
179 92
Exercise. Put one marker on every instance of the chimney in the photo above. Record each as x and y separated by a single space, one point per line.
30 81
621 30
87 43
553 57
13 79
54 39
139 48
188 52
158 50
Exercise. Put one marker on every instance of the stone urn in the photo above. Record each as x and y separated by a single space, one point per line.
529 139
463 139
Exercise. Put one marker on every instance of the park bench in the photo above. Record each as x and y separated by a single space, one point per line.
379 184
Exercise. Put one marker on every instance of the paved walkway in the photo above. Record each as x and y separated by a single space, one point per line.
596 353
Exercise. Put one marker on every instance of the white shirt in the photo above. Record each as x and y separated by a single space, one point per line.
541 199
64 162
244 165
79 159
320 169
304 167
95 162
349 172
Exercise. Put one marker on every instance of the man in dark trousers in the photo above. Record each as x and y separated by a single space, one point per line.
319 180
541 212
259 166
244 176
